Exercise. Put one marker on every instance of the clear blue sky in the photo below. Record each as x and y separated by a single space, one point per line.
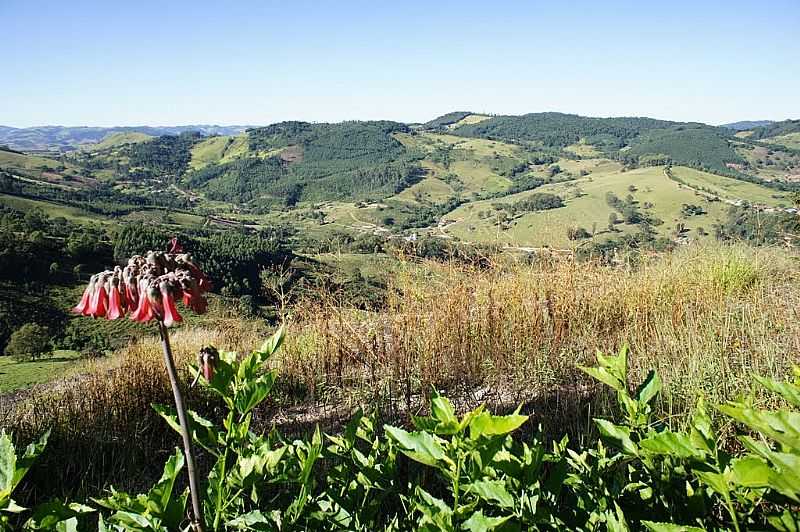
256 62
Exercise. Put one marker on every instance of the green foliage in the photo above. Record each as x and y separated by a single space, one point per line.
30 341
463 472
12 470
539 202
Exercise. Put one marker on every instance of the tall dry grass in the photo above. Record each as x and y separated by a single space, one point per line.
706 318
104 430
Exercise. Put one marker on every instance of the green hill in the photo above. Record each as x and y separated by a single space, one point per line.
117 139
775 129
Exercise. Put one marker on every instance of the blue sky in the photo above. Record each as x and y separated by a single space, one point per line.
257 62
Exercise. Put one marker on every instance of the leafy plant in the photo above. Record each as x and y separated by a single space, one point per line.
12 470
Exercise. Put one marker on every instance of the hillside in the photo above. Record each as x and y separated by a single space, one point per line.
462 176
744 125
63 138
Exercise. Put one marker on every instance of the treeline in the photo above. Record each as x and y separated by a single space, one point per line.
560 130
445 120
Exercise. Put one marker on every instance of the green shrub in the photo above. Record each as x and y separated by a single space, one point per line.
30 341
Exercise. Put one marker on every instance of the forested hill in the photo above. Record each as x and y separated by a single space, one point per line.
776 129
293 161
635 139
744 125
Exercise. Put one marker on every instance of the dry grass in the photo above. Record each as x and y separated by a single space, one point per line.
706 318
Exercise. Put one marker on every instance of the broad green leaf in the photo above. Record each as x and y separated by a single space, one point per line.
787 390
602 375
782 426
443 412
254 520
270 346
788 521
435 512
8 465
618 436
161 501
254 392
615 522
702 434
672 444
492 491
670 527
420 446
481 523
485 424
751 472
649 389
786 480
47 515
715 481
203 431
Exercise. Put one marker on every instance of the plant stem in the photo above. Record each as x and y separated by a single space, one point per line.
194 490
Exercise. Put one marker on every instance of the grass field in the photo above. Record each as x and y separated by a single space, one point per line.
469 119
583 149
790 140
215 150
732 189
31 163
19 375
117 139
585 207
53 209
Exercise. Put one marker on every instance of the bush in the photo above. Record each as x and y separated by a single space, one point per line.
30 341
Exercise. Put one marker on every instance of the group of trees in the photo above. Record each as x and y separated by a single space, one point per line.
629 210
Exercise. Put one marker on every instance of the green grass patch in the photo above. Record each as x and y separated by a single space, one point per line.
731 189
586 207
117 139
17 375
52 209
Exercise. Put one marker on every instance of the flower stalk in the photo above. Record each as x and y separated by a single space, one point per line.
194 490
146 288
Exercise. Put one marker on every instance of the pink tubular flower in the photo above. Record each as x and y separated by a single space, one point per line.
97 307
171 314
147 287
81 308
115 302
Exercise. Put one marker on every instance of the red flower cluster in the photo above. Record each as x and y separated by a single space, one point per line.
147 288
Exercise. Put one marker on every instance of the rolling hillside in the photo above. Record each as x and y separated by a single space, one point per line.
465 176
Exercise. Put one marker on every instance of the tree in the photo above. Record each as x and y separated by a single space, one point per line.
30 341
612 221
